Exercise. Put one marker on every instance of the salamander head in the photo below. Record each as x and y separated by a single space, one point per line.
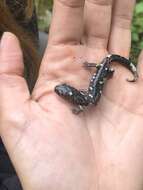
72 95
64 90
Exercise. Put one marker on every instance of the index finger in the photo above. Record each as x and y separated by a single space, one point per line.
67 22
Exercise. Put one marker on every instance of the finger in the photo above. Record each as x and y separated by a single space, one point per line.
67 22
13 88
120 36
97 22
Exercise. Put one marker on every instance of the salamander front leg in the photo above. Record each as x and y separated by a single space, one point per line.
88 66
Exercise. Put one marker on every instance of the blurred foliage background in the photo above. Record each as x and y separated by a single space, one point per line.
137 28
44 9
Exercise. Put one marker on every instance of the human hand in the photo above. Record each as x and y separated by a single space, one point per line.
50 147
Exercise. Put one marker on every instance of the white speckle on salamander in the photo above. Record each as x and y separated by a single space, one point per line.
90 95
133 67
70 93
93 77
82 93
101 82
111 69
106 69
109 55
90 88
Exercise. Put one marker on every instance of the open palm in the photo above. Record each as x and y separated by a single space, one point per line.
50 147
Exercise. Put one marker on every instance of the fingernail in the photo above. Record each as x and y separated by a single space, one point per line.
9 43
6 40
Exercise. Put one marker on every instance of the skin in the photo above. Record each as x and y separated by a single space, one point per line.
50 147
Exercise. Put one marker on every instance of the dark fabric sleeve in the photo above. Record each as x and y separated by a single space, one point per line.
8 178
11 183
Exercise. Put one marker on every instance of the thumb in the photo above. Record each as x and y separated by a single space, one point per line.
13 88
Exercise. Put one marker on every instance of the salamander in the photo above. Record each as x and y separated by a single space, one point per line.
92 95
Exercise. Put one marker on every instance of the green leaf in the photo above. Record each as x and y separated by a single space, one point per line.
139 8
141 45
135 37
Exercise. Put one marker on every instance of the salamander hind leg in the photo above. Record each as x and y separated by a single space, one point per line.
78 109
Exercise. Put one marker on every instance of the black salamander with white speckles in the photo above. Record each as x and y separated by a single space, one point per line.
91 96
